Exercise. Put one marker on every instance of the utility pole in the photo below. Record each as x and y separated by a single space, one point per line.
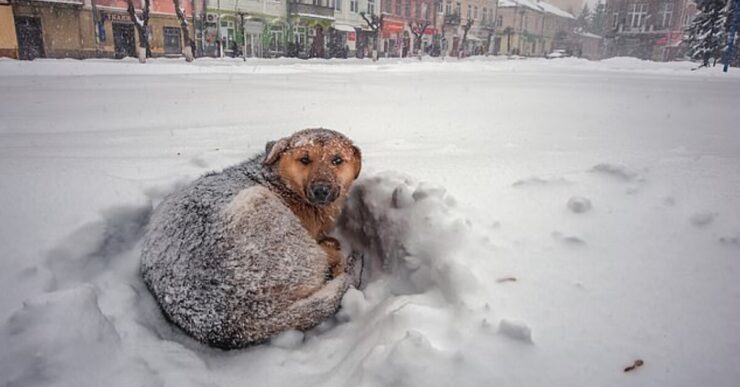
244 37
730 52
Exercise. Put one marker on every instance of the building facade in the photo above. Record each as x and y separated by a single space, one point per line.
647 29
532 28
245 27
8 37
350 32
478 16
400 19
89 28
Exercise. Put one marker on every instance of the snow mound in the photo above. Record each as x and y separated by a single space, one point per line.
409 236
55 337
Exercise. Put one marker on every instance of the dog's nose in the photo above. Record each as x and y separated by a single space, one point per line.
321 193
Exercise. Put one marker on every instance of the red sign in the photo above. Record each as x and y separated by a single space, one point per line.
670 39
351 36
390 26
429 31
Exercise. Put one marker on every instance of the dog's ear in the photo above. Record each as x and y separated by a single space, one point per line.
358 156
273 150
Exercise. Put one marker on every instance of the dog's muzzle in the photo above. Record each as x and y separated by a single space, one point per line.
322 193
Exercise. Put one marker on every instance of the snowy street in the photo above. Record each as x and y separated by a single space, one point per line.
563 218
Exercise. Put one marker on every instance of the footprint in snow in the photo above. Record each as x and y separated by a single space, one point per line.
516 330
568 239
579 204
535 181
702 219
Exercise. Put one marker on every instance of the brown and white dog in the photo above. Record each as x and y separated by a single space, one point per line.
241 255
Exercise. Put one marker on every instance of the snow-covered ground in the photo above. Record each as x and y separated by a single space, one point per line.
542 223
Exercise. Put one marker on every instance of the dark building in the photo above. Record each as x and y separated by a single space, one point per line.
647 29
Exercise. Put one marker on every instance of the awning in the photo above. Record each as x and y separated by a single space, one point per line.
344 27
473 37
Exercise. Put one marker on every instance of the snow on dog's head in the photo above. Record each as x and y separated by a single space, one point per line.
319 165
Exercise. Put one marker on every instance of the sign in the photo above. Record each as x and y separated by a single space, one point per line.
672 38
351 36
253 27
392 27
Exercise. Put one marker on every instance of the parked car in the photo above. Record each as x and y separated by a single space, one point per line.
559 53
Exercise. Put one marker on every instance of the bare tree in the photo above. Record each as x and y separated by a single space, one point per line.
466 28
142 28
375 23
189 48
418 28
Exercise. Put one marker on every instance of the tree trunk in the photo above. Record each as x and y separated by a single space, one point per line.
142 28
189 44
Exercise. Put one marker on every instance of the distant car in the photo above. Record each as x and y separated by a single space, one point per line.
557 54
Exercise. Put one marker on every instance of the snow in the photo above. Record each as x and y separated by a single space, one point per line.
478 270
536 5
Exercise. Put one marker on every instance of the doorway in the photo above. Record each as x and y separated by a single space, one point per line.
30 38
124 40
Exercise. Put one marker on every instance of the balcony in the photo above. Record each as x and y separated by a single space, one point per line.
311 10
452 19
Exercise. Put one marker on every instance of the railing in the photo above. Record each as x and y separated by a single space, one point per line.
310 9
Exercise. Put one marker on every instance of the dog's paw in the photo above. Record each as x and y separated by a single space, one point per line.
331 243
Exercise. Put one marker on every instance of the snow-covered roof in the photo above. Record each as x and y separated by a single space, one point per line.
587 34
549 8
539 6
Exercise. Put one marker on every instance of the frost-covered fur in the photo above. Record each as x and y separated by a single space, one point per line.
232 265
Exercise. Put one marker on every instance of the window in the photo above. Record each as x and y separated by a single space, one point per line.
484 15
354 6
448 7
371 7
615 20
417 10
338 5
475 12
172 40
470 11
407 8
666 15
636 15
500 21
458 8
398 7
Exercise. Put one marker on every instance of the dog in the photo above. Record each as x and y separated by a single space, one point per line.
241 255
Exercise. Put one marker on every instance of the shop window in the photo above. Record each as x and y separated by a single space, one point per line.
172 40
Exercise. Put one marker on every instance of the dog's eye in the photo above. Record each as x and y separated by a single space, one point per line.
305 160
337 160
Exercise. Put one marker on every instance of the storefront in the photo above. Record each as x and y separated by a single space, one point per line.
344 40
309 37
393 36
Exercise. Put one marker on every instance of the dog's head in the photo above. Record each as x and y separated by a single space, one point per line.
317 164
